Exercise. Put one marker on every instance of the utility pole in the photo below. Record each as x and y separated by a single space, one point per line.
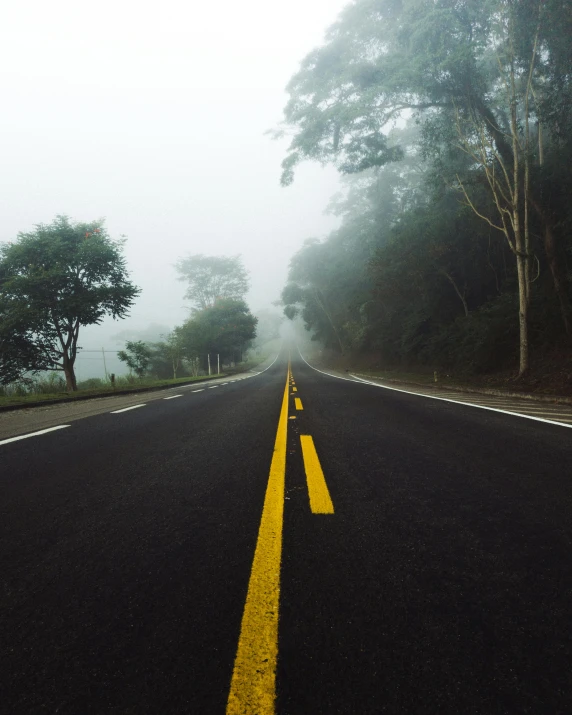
218 363
104 363
209 362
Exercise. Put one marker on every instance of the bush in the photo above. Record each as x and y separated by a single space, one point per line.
485 340
93 383
47 384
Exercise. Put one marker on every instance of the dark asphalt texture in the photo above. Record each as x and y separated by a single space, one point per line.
442 583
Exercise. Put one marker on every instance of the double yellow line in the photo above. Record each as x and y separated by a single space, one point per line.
253 684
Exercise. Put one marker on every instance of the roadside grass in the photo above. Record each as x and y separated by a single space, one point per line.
53 388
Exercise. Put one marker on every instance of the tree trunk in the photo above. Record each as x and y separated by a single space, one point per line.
550 247
329 317
558 280
71 382
554 263
522 314
462 298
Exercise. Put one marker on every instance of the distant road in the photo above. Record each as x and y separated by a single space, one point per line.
287 542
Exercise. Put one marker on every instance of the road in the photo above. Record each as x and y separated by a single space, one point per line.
291 542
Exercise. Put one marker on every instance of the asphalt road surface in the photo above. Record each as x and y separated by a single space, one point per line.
287 542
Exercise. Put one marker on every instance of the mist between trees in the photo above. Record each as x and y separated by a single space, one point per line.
64 276
452 124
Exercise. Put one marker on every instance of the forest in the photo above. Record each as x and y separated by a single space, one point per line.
451 125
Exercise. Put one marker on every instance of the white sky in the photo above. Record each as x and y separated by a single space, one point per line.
153 115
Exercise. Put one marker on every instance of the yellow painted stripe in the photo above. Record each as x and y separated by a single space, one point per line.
294 389
320 500
253 684
298 402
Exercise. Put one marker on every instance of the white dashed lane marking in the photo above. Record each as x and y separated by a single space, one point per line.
32 434
125 409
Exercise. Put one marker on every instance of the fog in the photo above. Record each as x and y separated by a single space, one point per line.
153 115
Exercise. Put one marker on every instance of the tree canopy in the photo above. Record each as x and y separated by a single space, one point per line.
224 328
211 278
53 281
454 118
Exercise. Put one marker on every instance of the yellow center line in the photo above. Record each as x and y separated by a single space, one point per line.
253 683
320 500
294 389
298 402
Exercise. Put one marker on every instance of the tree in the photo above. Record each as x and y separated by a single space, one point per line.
168 354
501 62
211 278
137 356
224 328
53 281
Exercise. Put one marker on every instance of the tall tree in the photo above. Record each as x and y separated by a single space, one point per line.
224 328
437 58
53 281
212 277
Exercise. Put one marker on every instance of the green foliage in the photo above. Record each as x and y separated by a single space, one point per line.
137 357
43 389
167 355
53 281
416 272
225 328
211 278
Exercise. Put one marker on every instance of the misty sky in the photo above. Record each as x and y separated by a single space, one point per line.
153 115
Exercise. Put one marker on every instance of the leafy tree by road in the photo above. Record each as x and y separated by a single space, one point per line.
137 356
224 328
168 355
53 281
211 278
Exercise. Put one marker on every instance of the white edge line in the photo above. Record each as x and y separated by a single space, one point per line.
133 407
470 404
32 434
172 397
441 399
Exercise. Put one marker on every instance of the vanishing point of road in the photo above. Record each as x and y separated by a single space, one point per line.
286 541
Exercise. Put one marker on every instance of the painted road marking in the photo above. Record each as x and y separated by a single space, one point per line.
201 390
442 399
172 397
133 407
253 684
213 387
320 500
33 434
294 389
470 404
298 402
